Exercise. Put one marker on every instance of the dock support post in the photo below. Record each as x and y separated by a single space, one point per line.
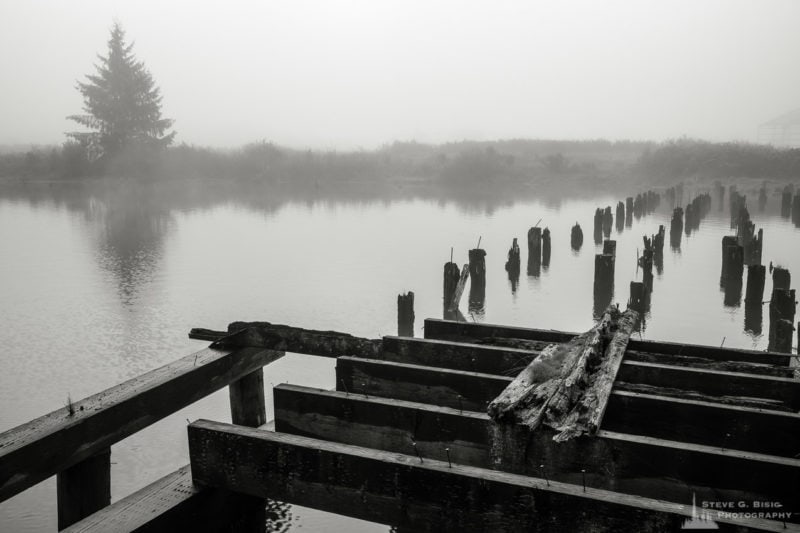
629 211
546 248
247 400
249 409
405 315
781 320
534 251
451 275
781 278
755 285
84 488
576 237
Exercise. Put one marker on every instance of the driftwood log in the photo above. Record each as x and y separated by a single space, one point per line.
568 385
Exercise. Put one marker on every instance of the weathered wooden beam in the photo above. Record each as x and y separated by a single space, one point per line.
460 389
52 443
83 488
710 364
470 331
457 355
713 382
461 331
174 503
397 489
297 340
628 463
567 386
712 424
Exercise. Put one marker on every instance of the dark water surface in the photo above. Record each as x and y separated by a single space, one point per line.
99 288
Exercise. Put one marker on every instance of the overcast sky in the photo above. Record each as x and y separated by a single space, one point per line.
334 74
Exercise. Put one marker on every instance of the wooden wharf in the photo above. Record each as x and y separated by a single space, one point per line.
405 438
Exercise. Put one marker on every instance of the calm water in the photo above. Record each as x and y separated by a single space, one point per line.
99 288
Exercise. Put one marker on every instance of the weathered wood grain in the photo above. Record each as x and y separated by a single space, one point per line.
397 488
469 331
47 445
469 391
712 424
627 463
713 382
456 355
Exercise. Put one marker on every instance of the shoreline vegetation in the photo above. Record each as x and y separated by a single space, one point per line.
494 171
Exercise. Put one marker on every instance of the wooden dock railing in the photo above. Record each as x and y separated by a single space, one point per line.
74 443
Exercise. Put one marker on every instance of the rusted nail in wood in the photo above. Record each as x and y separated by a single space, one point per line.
583 473
364 386
449 464
544 474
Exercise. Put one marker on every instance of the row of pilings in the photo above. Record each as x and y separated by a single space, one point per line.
634 207
790 206
688 220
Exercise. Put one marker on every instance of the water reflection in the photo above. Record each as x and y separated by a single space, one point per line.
131 232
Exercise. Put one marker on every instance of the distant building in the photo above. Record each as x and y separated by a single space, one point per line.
783 130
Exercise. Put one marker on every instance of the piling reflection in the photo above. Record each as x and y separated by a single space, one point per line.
513 265
753 319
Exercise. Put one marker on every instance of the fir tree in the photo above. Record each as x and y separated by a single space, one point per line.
122 105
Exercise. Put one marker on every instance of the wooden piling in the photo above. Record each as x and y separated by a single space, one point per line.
534 251
512 263
576 237
247 400
451 277
728 241
546 247
598 226
405 314
781 311
762 197
84 488
638 297
796 210
620 216
629 211
610 248
755 285
477 265
781 278
608 221
676 228
786 202
603 270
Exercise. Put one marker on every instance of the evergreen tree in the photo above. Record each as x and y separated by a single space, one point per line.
122 103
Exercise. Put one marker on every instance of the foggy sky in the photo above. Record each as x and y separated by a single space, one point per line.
333 74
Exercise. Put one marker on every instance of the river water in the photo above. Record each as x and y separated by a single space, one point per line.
97 288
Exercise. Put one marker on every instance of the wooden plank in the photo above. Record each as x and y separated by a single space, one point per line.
429 495
710 364
174 503
450 330
456 355
628 463
712 424
469 391
47 445
713 382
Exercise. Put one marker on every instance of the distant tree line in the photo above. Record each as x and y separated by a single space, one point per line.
693 158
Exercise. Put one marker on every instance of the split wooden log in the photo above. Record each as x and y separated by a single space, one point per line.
567 387
462 282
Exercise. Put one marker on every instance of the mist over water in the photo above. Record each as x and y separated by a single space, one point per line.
109 280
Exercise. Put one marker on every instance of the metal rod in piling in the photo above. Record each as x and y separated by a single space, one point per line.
544 474
449 464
